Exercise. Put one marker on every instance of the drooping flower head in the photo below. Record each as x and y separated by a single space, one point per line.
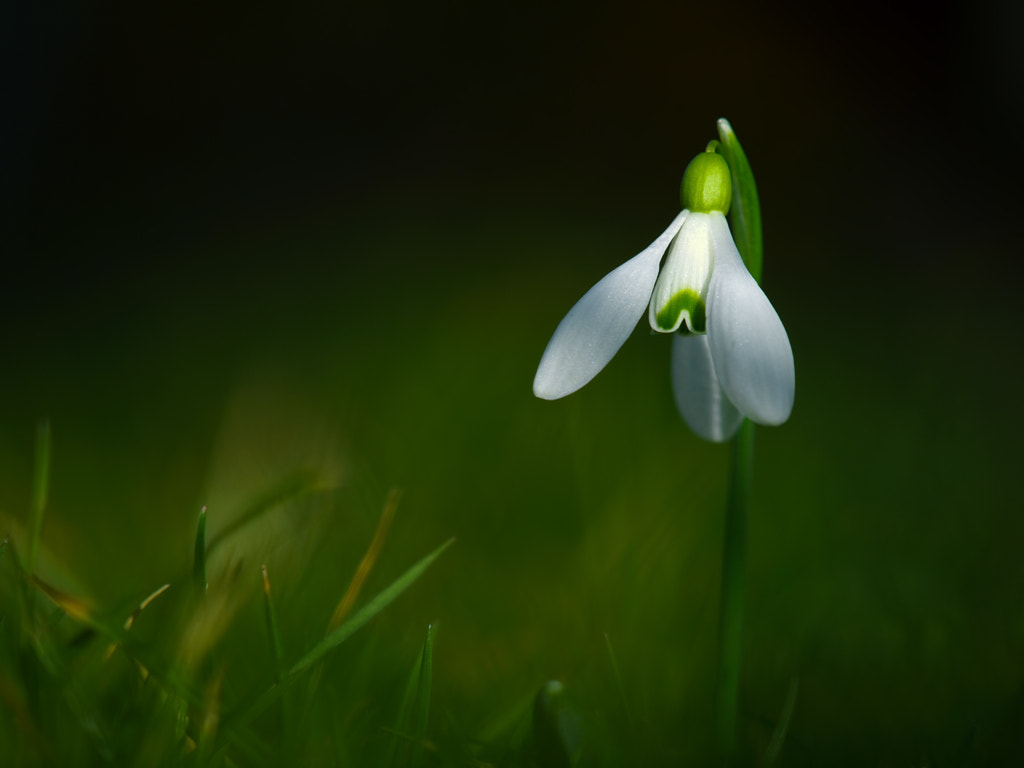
731 357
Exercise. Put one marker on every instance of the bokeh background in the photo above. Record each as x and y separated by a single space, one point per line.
254 240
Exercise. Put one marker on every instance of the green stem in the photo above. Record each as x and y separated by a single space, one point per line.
734 557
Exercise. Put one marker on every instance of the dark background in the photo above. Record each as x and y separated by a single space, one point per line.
168 121
883 134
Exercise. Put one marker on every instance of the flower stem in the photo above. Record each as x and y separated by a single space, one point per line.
734 557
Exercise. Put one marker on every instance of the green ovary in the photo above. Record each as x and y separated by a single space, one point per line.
686 301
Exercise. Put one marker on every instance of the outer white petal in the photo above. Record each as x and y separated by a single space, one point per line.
699 396
749 345
599 324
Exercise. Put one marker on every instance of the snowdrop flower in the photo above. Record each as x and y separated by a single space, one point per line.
731 356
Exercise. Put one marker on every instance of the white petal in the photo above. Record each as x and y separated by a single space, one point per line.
594 330
749 345
680 295
699 396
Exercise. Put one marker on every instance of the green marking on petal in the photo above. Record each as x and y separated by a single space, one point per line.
686 302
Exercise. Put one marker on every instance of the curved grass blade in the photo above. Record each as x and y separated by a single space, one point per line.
414 711
130 621
276 653
72 606
779 735
369 559
745 210
421 713
208 720
170 678
199 569
273 634
151 667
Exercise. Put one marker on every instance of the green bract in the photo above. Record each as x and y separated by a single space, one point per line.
746 208
707 185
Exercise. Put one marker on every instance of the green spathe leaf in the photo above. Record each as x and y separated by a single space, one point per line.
745 213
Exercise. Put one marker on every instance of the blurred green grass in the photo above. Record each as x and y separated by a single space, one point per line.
378 351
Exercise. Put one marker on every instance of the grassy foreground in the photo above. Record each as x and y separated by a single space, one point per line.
344 404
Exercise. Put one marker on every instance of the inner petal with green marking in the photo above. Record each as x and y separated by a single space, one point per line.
687 307
679 299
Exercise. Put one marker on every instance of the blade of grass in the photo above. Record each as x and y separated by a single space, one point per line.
276 654
115 634
367 563
72 606
414 710
199 567
339 635
135 614
618 681
422 711
169 677
779 735
348 600
144 604
273 634
209 719
40 490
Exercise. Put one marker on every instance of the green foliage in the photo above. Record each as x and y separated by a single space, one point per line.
82 686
